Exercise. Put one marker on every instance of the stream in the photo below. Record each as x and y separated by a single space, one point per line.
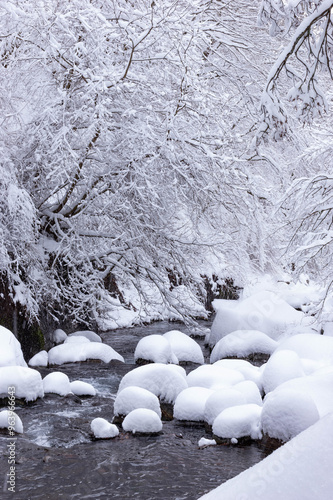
57 458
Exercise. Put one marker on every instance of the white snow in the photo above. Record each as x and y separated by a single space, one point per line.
299 470
282 366
203 442
247 369
142 420
27 382
74 352
165 381
57 383
92 336
190 404
242 343
10 352
220 400
132 397
102 429
310 346
12 420
238 421
76 339
82 388
39 359
59 336
155 348
213 377
184 347
250 391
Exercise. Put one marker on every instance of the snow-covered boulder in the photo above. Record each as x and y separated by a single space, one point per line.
76 339
185 348
155 348
92 336
250 391
286 413
59 336
39 359
165 381
220 400
310 346
27 382
213 377
142 420
74 352
263 311
237 422
57 383
190 404
102 429
132 397
247 369
10 420
80 388
10 351
282 366
243 343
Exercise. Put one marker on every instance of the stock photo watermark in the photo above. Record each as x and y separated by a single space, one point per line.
10 482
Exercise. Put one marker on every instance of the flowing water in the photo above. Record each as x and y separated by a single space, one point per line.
57 458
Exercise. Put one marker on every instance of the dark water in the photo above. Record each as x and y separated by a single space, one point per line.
57 458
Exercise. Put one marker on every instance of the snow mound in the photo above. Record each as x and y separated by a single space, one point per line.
190 404
57 383
142 420
10 352
82 388
213 377
77 339
59 336
301 469
155 348
165 381
238 421
203 442
185 348
250 391
74 352
310 346
27 382
92 336
39 359
241 344
132 397
282 366
9 419
102 429
221 399
249 371
263 311
287 413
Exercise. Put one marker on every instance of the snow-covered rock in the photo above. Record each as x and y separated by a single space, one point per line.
76 339
92 336
165 381
142 420
102 429
39 359
190 404
249 371
74 352
282 366
250 391
213 377
243 343
287 413
185 348
27 382
9 419
132 397
204 442
82 388
220 400
301 469
57 383
155 348
10 352
238 421
310 346
59 336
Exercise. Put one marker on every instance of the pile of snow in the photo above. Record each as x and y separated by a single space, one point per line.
27 382
213 377
219 400
263 311
155 348
76 339
59 336
102 429
310 346
247 369
88 334
132 397
190 404
282 366
82 388
250 391
203 442
10 352
39 359
243 343
9 419
57 383
75 352
165 381
185 348
238 421
301 469
142 420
